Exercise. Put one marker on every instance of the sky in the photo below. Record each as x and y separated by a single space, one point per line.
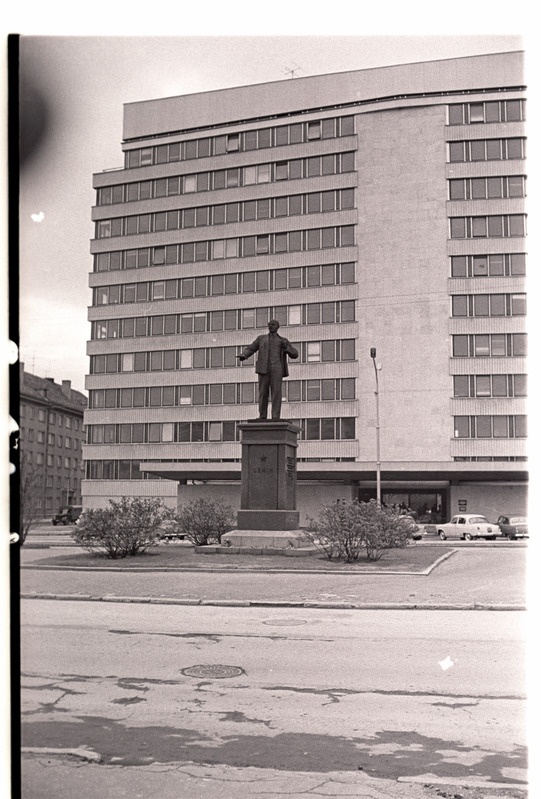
72 93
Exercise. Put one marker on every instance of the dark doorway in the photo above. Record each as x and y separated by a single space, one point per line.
426 506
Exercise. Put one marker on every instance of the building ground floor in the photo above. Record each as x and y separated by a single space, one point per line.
433 491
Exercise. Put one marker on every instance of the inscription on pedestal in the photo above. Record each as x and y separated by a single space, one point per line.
262 488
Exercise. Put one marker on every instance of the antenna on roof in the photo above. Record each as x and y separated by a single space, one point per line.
290 71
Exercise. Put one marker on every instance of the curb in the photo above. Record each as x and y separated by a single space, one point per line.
281 603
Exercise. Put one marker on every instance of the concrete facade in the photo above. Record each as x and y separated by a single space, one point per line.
359 209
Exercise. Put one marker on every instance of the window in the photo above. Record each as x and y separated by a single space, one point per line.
497 343
462 426
499 386
460 305
460 347
520 426
281 171
520 385
313 130
461 386
482 386
313 351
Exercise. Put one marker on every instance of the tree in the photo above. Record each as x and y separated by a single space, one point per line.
31 495
127 527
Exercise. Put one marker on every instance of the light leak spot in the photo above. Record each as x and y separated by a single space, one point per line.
446 664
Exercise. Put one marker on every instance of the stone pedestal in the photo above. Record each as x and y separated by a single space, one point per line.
268 516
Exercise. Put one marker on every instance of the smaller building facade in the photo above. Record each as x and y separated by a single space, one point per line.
51 437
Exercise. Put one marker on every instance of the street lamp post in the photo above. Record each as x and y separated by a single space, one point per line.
377 368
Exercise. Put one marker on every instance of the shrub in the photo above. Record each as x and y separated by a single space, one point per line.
384 528
336 531
126 527
203 521
344 530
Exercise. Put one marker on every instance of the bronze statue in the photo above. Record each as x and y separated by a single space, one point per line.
271 367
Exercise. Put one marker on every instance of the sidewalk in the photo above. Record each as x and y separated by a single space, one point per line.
468 578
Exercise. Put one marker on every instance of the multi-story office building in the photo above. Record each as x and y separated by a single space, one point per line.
379 208
51 438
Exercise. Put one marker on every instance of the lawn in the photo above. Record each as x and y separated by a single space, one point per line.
183 557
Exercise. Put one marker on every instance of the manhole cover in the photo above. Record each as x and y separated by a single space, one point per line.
214 671
285 622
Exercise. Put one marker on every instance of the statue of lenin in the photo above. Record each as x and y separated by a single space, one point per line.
271 367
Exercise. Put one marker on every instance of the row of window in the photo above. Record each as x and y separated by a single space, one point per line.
487 188
511 264
490 426
496 226
219 394
51 460
492 458
192 432
211 357
65 442
238 247
488 304
226 213
490 385
49 503
55 418
232 178
486 150
490 111
315 313
217 285
277 136
130 469
494 345
60 483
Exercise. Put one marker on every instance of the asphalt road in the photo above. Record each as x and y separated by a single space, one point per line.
281 700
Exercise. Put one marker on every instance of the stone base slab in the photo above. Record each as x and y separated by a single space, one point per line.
268 520
265 539
293 552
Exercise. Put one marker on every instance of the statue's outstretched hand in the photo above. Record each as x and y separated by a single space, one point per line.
241 357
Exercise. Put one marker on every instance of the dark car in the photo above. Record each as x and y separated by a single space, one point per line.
514 526
67 515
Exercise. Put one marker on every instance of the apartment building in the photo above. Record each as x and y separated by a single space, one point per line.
51 437
380 208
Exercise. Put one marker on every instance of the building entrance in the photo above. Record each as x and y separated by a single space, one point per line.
426 506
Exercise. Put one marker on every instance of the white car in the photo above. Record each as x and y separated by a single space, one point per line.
468 526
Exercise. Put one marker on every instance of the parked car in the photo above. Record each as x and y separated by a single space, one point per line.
67 515
514 526
468 526
416 530
166 532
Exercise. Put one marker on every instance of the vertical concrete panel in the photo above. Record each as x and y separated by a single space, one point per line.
490 500
403 271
